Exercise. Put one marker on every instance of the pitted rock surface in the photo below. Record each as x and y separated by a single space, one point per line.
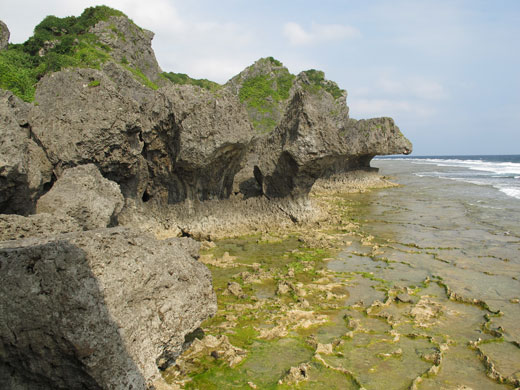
25 170
97 309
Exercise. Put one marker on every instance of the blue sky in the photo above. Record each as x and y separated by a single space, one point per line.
448 72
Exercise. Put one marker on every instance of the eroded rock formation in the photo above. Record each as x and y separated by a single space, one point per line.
316 139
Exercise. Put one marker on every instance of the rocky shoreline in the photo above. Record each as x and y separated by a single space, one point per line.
111 161
330 306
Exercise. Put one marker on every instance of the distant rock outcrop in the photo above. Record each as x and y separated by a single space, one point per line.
4 35
97 310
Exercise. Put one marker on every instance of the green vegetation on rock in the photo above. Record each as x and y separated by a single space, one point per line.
265 92
94 83
317 81
260 91
182 78
15 76
57 43
140 76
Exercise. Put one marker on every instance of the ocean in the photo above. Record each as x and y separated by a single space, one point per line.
501 172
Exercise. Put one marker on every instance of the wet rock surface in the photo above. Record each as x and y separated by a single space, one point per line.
109 303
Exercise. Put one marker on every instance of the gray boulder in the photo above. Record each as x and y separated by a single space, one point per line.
25 171
4 36
83 194
97 309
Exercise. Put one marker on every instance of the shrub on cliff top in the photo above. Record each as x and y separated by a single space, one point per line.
57 43
317 82
182 78
66 30
260 90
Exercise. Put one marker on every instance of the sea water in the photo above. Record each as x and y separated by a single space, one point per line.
501 172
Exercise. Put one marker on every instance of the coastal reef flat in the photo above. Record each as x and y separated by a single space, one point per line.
386 294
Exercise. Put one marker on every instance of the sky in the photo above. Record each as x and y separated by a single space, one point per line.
447 71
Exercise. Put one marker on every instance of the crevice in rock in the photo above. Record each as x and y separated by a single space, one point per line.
146 196
47 186
36 140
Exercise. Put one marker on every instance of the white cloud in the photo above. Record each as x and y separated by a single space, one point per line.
363 108
318 33
415 86
151 14
214 68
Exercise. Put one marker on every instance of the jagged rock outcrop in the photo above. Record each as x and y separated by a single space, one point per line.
84 195
4 35
181 142
311 135
213 135
314 140
98 309
130 44
25 171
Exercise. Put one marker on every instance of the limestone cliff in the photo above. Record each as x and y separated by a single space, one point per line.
311 135
266 132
